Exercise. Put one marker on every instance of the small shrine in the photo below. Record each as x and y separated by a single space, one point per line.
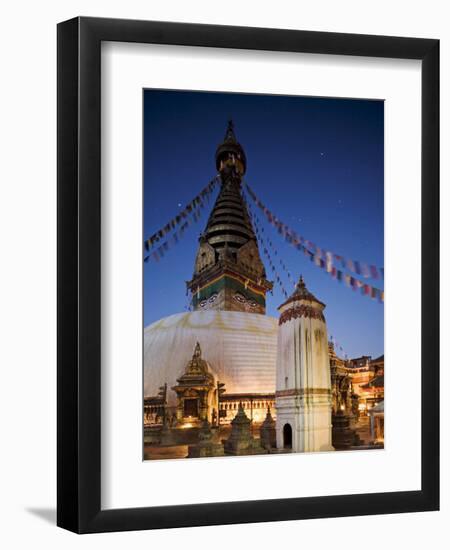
241 440
267 431
196 396
343 437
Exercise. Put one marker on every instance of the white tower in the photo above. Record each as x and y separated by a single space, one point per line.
303 391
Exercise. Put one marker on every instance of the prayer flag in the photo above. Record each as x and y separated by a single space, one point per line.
374 272
365 270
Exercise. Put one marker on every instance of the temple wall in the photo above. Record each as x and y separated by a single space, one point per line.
310 423
302 355
255 408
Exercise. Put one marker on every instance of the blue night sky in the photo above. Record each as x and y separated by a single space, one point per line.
316 163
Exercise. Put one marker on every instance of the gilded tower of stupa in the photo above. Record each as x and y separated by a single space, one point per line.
229 274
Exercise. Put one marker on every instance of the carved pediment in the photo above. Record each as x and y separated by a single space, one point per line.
197 365
206 257
248 256
190 393
196 373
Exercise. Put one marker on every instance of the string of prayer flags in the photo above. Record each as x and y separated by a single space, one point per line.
158 253
337 345
277 277
360 268
322 260
349 280
271 264
191 208
260 228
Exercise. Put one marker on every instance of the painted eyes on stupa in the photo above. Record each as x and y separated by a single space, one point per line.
242 300
210 300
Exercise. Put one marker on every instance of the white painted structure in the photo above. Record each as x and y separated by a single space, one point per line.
303 385
239 347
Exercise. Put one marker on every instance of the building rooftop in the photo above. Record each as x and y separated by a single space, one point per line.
301 293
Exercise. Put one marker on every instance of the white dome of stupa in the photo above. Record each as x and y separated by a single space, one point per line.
240 348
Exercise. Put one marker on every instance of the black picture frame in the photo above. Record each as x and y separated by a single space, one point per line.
79 278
